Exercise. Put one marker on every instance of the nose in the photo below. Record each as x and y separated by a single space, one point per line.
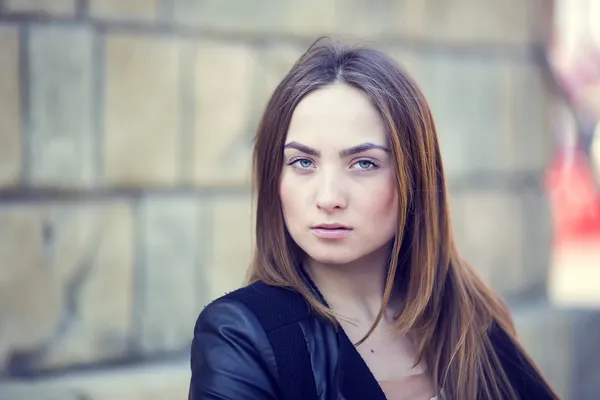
331 195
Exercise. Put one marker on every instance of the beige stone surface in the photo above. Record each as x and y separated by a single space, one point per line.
171 251
492 115
225 79
310 18
146 10
501 21
465 22
61 109
457 22
492 232
363 19
448 20
102 289
10 107
53 7
29 293
349 19
299 17
411 17
232 245
142 104
530 135
408 59
164 381
468 97
66 284
274 63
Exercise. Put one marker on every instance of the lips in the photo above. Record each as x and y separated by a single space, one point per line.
331 231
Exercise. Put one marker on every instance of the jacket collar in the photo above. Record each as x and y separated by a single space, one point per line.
355 378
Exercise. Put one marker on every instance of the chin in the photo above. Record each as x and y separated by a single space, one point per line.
333 256
329 260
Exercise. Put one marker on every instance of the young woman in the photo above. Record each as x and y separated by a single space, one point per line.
357 289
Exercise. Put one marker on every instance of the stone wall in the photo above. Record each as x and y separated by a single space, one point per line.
125 132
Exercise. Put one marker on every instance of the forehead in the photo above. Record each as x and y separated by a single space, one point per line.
336 115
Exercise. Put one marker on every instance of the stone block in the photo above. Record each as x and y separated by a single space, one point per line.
507 22
457 22
232 245
426 73
449 21
225 89
66 285
496 233
309 18
275 61
170 245
491 115
162 381
10 107
44 7
465 22
441 75
142 106
364 19
409 18
29 294
467 98
529 141
409 60
61 107
253 87
24 391
537 232
146 10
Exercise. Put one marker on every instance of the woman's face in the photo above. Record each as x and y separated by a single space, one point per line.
338 188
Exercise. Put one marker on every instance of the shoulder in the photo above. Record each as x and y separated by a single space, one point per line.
271 306
231 352
519 368
238 341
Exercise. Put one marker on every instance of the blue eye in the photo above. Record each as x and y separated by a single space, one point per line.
365 164
302 163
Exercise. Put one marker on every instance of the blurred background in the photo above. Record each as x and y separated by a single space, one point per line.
125 202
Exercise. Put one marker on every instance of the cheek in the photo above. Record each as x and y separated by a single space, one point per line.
288 193
383 202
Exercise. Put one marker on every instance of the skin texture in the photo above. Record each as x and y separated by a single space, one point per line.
356 190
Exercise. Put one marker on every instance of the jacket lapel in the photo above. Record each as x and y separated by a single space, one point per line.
356 380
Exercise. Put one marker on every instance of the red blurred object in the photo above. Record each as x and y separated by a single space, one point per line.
575 199
574 276
574 57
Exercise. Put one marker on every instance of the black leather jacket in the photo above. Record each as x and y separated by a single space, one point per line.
233 358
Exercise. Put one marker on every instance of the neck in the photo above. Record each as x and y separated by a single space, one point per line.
354 290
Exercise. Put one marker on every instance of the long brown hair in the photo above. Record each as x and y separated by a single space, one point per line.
447 307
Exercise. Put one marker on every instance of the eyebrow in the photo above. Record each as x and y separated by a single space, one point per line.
343 153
